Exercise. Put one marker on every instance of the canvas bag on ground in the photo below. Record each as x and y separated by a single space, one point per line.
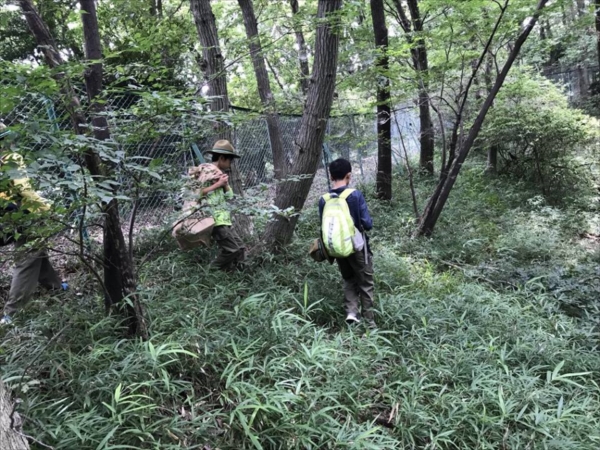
193 232
340 237
196 229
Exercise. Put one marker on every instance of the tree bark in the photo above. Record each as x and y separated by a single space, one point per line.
280 162
384 119
119 273
10 423
112 264
302 51
413 29
292 192
437 201
580 8
597 5
492 154
213 61
213 66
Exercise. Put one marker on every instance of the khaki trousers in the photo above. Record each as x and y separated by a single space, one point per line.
358 284
231 248
32 268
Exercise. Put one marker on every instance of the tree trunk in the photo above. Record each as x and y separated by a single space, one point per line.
597 5
213 66
492 154
492 160
264 89
582 81
384 119
213 63
156 8
10 423
422 66
580 8
438 199
413 30
119 273
121 266
292 193
302 52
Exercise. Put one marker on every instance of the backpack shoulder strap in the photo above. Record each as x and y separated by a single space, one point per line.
346 193
326 197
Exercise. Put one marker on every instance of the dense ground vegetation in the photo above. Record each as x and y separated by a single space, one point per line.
487 339
487 331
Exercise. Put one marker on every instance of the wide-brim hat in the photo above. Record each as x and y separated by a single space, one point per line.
224 147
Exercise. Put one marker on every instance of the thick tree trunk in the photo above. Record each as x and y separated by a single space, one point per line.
213 66
10 423
292 193
119 273
437 201
213 62
113 265
422 65
413 28
384 119
264 89
302 52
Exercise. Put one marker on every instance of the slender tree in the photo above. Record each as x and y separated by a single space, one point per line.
264 89
119 273
413 29
292 193
212 63
119 279
438 200
492 153
156 8
384 119
302 51
597 6
213 66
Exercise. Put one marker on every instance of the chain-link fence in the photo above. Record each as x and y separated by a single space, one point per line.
179 145
577 80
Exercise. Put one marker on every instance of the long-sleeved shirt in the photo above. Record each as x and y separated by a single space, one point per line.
20 191
357 206
214 203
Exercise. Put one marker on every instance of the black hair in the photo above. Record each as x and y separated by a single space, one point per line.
216 156
339 168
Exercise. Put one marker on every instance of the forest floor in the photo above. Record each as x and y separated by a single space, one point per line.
487 339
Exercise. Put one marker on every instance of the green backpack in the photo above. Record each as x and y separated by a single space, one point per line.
340 236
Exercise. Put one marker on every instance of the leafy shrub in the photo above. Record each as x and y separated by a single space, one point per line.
537 134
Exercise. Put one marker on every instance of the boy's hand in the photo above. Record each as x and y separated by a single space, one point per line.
223 181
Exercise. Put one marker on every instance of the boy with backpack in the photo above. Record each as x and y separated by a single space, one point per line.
344 219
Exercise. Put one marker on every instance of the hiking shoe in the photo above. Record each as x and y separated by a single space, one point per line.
6 320
351 319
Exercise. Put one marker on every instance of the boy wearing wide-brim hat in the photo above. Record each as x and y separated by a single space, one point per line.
213 192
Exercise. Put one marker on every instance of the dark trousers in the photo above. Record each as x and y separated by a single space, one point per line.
32 268
231 248
358 284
